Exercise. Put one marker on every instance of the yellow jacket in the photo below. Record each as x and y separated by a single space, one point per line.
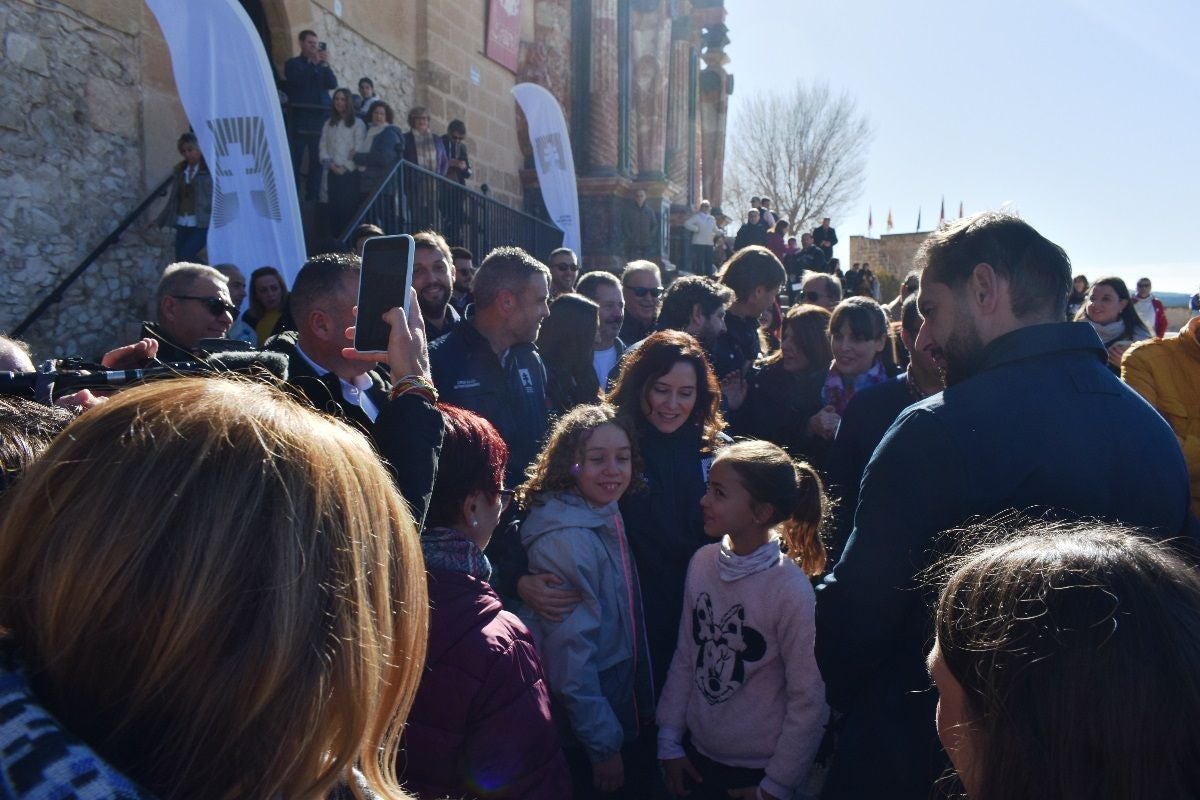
1167 373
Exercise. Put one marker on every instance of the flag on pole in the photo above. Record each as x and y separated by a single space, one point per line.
942 213
229 95
870 221
889 221
918 219
960 214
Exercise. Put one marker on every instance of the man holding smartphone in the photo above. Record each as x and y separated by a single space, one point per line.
308 79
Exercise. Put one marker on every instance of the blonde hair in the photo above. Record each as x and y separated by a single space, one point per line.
220 591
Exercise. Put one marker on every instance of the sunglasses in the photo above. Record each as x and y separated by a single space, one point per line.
566 267
642 291
215 305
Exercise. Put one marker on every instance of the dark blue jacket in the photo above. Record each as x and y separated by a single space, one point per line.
1043 426
868 416
512 396
310 84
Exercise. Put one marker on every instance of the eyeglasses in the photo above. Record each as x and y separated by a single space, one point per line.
215 305
566 267
506 497
642 291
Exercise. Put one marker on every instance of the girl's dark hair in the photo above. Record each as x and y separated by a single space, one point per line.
751 267
780 226
552 471
810 325
867 321
792 488
656 356
388 114
473 459
1076 647
347 118
1129 315
565 342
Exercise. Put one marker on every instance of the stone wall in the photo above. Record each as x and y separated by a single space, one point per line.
890 254
353 57
71 167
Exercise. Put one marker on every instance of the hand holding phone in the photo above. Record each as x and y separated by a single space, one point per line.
387 270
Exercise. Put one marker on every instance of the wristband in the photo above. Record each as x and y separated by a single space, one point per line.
414 384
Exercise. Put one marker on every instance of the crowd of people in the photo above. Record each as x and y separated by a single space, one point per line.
584 535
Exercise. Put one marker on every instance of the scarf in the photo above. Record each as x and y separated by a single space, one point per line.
446 548
835 392
1111 331
426 150
732 567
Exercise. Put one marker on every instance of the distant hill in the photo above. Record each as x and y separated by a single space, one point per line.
1173 299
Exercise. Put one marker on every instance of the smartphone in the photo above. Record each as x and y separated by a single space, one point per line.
383 283
321 46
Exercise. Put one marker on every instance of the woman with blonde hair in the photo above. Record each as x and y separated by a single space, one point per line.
208 591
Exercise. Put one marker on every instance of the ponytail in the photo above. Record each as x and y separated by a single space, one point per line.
793 489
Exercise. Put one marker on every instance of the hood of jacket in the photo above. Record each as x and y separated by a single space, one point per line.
559 510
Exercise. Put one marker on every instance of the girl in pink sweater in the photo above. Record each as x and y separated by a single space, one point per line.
744 684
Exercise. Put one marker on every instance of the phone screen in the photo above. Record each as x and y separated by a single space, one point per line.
387 268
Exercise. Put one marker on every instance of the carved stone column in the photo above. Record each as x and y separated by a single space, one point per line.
679 125
651 40
715 87
604 125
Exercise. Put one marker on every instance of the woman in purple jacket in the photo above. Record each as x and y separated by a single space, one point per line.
480 726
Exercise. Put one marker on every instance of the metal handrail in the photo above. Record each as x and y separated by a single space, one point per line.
56 294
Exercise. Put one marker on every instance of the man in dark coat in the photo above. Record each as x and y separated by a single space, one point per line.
1004 435
825 237
406 431
308 79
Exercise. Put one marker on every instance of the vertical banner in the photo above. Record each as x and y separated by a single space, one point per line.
229 95
553 159
504 32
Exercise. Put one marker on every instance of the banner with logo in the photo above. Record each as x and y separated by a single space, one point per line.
504 32
553 159
228 92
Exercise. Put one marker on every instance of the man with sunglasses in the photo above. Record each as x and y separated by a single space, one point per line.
819 289
564 269
642 284
193 303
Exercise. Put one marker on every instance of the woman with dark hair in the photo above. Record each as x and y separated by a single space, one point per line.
480 724
382 147
783 392
566 341
1065 661
341 137
1111 314
668 389
268 297
777 239
189 205
1078 296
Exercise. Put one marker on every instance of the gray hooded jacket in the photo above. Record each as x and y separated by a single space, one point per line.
595 657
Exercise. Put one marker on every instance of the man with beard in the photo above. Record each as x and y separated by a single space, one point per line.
603 289
433 276
1004 435
464 277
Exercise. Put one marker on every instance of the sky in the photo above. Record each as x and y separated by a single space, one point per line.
1083 115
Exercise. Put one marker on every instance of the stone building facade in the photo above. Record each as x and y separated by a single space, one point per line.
92 115
645 91
891 254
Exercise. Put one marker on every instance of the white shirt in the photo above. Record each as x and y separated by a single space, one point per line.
1145 310
354 393
703 226
603 362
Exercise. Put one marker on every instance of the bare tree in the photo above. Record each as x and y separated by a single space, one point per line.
806 150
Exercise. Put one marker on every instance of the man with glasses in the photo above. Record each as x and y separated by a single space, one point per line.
458 167
642 285
1150 308
193 304
564 269
821 290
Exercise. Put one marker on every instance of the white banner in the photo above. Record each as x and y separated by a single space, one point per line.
553 159
228 92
